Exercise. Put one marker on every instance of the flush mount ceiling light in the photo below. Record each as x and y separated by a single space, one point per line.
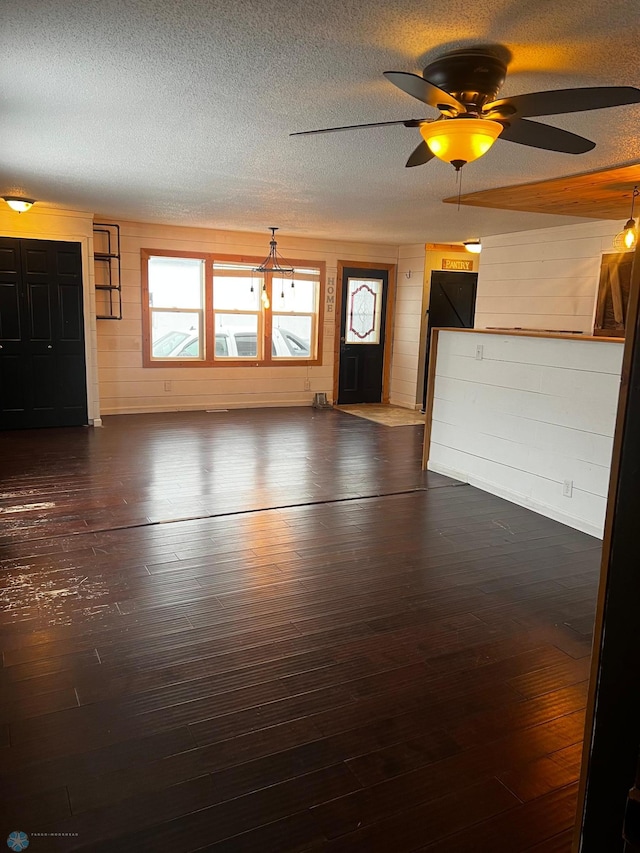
473 246
19 204
275 265
628 237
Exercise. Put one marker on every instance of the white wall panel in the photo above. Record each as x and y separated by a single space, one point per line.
532 322
545 279
533 413
544 287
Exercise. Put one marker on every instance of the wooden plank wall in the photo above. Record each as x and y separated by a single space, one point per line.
545 279
125 386
405 363
530 414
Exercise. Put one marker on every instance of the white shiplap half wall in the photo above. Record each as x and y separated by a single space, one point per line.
529 419
546 279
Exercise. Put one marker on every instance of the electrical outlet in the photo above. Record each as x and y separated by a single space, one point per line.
567 488
479 352
307 384
167 385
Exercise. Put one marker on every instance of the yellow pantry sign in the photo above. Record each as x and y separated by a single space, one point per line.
457 264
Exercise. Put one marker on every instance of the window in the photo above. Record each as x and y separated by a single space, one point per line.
237 310
294 314
176 288
364 310
215 310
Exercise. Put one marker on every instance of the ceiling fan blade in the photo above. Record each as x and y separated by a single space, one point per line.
564 101
421 154
539 135
424 91
410 122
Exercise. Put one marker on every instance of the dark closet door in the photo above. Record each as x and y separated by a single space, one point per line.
452 305
42 356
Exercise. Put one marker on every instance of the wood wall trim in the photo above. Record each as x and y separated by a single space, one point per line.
388 334
445 247
336 332
588 823
533 334
145 254
431 381
391 269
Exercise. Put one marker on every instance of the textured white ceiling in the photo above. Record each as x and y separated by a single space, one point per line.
179 111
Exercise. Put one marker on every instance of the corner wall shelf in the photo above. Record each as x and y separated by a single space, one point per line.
107 271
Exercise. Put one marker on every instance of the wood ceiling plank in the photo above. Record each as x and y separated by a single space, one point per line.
605 194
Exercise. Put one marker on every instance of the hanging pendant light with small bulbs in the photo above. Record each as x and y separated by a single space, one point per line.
630 234
265 296
275 266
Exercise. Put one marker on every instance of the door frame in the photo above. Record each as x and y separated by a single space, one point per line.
29 349
390 269
612 728
426 330
88 302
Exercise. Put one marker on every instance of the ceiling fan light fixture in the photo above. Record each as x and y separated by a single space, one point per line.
460 140
19 204
473 246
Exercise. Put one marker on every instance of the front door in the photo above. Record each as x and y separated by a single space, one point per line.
362 325
452 305
42 356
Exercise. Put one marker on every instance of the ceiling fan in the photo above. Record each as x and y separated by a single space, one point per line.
463 85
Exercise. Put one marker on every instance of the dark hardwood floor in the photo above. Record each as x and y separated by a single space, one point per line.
270 631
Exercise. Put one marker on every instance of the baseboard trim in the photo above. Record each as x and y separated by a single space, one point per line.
259 404
520 500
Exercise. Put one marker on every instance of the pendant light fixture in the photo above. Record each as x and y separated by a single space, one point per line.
19 204
275 265
630 234
460 140
265 296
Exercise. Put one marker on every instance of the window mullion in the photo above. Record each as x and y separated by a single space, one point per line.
209 337
267 319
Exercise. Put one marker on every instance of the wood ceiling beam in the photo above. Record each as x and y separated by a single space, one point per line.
604 194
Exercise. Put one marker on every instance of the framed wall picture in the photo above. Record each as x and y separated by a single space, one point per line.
613 295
